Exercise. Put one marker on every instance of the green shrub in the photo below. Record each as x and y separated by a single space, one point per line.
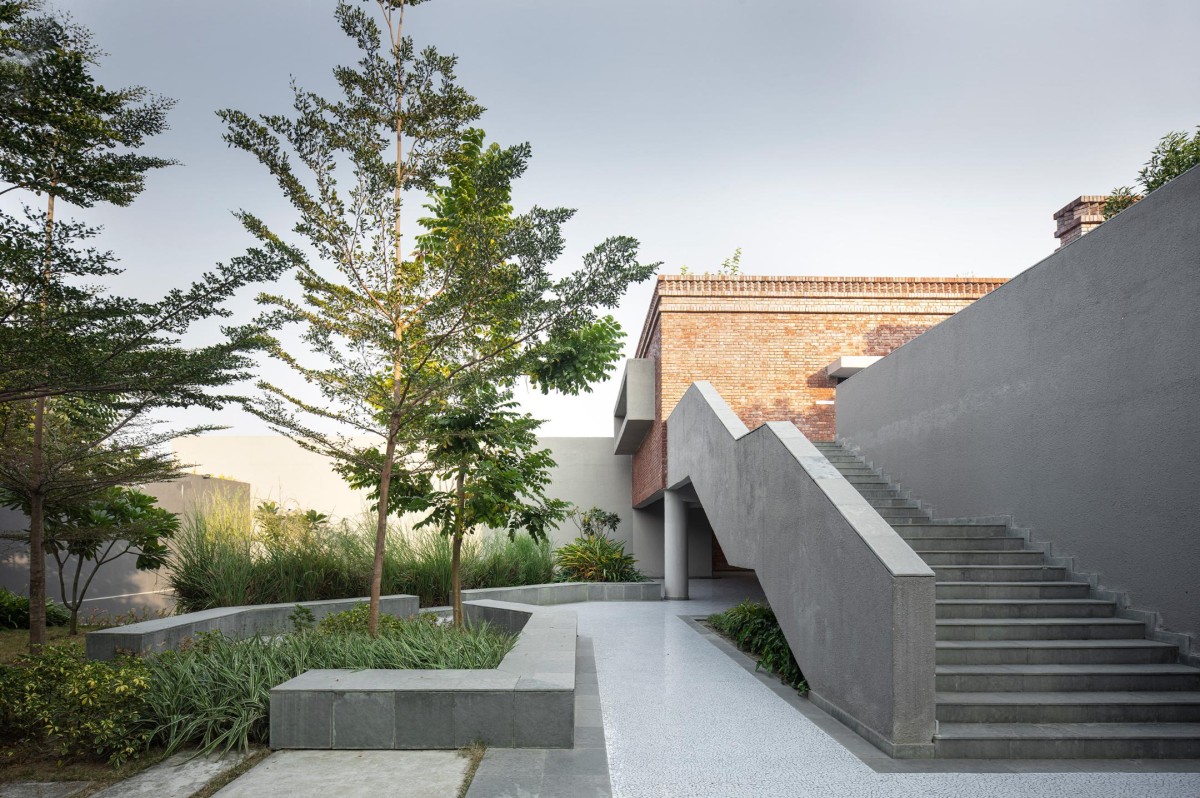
14 611
75 706
215 693
596 558
754 628
224 557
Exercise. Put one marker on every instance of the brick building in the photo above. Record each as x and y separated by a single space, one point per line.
767 345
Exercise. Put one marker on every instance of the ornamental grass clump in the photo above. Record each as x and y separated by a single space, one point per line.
215 692
594 556
755 630
227 555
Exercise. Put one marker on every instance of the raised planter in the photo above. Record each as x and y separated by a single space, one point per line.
164 634
569 592
526 702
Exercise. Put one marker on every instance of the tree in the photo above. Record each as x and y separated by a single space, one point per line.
492 475
1174 154
88 449
65 137
119 522
392 333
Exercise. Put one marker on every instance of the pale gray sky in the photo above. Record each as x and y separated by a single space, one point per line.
905 137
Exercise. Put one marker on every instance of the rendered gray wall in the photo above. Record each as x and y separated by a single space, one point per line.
854 601
119 586
588 474
1069 399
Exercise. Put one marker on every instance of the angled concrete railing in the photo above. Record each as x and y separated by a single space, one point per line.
854 601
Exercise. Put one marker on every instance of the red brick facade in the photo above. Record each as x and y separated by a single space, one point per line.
764 343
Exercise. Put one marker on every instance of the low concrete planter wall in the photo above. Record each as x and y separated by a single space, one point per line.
527 702
164 634
569 592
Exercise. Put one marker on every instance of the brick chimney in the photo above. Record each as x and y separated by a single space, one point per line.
1080 215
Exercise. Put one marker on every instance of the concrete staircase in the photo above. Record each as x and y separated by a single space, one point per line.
1029 665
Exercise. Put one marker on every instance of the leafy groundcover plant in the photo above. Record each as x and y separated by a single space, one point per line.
215 692
755 630
14 611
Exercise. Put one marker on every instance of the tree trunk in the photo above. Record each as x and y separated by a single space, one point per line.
37 538
456 554
385 484
37 467
455 580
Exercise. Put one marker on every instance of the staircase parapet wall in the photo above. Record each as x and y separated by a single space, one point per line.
1069 400
854 601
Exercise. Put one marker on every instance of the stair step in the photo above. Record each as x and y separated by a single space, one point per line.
939 528
867 479
1069 707
880 492
1068 740
921 543
909 514
918 531
1066 652
999 573
1013 590
1024 608
958 557
1065 678
1038 628
889 501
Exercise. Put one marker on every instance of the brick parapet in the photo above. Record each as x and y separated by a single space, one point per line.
764 343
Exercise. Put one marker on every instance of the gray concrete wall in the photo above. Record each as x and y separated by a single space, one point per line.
1068 399
589 474
119 586
854 601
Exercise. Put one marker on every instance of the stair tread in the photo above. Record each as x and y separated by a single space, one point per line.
1061 731
1148 697
1061 668
1114 643
1035 621
1008 584
990 602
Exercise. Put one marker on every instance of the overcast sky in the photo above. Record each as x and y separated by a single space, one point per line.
825 138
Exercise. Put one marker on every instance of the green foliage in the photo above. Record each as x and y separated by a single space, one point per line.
354 621
730 267
401 333
221 558
596 558
78 707
1118 200
754 628
595 521
493 449
14 611
1174 154
216 693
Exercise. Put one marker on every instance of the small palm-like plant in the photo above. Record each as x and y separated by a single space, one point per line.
594 556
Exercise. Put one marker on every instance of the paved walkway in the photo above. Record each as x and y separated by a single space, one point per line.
682 718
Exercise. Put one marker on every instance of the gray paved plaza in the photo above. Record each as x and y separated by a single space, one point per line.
683 718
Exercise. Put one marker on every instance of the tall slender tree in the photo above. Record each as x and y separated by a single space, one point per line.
392 328
68 139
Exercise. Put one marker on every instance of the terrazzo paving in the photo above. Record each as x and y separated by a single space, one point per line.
683 718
